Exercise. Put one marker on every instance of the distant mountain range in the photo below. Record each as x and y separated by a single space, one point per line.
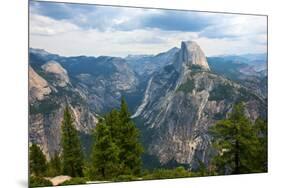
174 96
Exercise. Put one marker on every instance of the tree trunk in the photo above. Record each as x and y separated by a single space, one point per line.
237 158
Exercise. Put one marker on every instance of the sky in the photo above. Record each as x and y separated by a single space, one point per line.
92 30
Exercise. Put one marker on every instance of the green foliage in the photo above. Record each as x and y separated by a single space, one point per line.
219 116
116 150
45 106
178 172
202 169
187 87
245 95
222 92
172 164
125 178
239 144
150 162
261 132
37 161
75 181
130 148
35 181
54 166
86 141
104 154
72 155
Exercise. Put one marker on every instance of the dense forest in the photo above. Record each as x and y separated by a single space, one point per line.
238 146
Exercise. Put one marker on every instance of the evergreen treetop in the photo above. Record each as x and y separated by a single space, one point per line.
72 154
237 144
38 164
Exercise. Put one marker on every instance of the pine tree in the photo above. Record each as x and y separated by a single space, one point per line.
72 154
38 165
112 120
55 165
236 142
104 153
130 148
116 149
124 112
261 158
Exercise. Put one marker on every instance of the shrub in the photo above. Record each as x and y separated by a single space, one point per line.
178 172
221 92
45 106
35 181
75 181
187 87
125 178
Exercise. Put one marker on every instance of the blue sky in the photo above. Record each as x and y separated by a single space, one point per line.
77 29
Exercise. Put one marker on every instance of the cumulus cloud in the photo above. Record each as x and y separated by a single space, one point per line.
231 26
42 25
60 11
119 18
73 29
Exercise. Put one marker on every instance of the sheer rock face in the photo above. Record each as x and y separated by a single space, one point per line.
48 97
38 86
59 73
191 54
179 98
45 128
182 101
104 88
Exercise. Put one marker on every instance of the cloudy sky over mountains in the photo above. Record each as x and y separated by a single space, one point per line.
76 29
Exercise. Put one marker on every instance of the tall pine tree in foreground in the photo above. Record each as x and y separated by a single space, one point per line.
262 157
238 144
117 150
72 154
37 161
130 147
105 153
54 165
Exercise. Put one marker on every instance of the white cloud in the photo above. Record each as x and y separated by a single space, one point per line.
93 42
231 26
217 46
42 25
243 34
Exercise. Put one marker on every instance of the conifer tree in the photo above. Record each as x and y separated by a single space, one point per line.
130 147
72 154
37 161
104 153
116 149
55 165
236 142
112 120
261 158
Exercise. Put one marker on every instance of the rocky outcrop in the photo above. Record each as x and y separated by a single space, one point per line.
45 127
47 103
38 86
190 54
58 72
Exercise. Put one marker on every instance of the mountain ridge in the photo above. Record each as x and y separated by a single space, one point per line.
174 96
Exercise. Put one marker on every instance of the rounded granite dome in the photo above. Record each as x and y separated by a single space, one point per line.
192 54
